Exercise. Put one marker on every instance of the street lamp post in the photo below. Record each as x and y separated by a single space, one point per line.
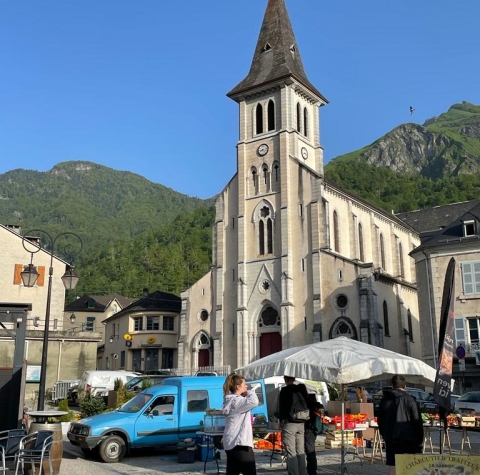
29 277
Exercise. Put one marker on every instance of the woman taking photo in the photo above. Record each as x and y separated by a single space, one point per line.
238 435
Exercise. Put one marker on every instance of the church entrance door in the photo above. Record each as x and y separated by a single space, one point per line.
270 343
203 358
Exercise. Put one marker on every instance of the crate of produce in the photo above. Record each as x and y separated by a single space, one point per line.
337 435
467 421
332 444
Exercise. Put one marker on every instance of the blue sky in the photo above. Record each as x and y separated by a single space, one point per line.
140 85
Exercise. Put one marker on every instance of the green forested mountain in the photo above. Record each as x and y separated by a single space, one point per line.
100 204
417 166
169 258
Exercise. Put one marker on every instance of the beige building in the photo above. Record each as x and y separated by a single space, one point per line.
69 353
143 336
296 259
86 313
446 232
13 258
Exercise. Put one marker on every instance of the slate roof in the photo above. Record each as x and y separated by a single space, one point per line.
156 301
453 232
100 302
277 55
439 217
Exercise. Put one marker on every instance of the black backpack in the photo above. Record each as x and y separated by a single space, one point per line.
299 411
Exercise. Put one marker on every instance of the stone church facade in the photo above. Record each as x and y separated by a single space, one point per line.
296 259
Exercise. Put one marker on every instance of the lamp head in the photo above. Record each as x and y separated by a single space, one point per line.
70 278
29 275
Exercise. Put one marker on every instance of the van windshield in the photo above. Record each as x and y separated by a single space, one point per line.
135 404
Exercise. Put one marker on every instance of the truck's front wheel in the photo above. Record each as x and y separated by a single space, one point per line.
112 449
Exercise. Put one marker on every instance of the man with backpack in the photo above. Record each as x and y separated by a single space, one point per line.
294 413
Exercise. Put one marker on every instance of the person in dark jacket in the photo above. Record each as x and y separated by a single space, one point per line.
400 422
293 432
310 430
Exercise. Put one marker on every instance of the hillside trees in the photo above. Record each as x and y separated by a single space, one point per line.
170 259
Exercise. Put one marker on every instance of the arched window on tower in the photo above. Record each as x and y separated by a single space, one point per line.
271 115
299 117
265 231
259 119
382 252
305 122
254 175
261 238
360 243
269 236
336 233
265 177
386 328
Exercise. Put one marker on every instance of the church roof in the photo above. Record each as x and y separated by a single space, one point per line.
277 55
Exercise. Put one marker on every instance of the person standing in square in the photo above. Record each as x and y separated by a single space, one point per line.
238 434
399 422
293 432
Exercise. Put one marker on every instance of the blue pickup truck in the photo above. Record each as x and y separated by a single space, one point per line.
162 415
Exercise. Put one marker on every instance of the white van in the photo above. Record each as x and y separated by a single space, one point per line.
95 382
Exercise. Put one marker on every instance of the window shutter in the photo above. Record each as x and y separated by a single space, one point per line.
467 278
17 278
476 270
41 276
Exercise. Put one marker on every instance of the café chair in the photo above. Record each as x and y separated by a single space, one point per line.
9 445
34 449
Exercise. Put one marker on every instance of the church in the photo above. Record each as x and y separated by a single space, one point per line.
296 258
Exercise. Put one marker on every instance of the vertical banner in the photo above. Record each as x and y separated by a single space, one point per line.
446 340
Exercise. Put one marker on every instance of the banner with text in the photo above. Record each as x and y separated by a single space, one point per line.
446 341
437 464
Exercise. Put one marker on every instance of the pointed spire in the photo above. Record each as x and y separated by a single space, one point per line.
277 55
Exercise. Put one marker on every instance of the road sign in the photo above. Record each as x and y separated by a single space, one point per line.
461 365
460 352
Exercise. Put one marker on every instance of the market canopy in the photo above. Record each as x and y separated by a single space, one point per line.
340 360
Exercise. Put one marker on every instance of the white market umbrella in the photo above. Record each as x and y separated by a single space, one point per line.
340 360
